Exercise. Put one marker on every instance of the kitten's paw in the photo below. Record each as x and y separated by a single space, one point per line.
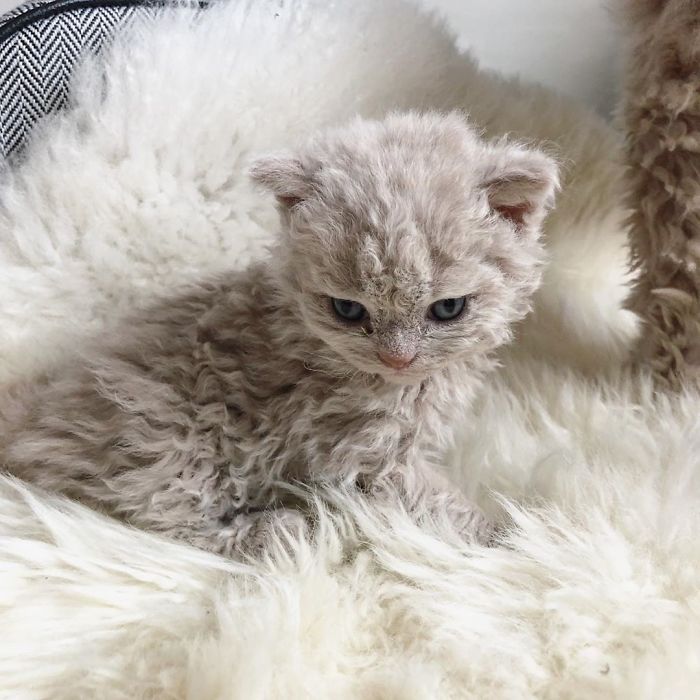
455 513
473 524
437 503
254 533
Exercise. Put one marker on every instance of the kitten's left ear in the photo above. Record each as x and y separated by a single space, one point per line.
520 185
284 175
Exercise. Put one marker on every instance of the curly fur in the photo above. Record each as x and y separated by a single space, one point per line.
662 124
188 416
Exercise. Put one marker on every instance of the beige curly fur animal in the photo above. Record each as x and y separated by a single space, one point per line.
408 248
662 122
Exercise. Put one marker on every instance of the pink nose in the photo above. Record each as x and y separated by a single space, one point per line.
395 360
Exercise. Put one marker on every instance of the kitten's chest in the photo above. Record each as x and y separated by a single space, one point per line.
345 431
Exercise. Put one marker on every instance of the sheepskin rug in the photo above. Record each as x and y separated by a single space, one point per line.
141 185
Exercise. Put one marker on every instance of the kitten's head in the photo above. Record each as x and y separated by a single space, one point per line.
410 243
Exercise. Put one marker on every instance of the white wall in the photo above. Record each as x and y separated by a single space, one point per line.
6 5
568 45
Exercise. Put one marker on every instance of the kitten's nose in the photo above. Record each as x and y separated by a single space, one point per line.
396 360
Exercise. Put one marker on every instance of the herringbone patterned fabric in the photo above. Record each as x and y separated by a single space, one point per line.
41 43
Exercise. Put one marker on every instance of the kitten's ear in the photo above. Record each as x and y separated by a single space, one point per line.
520 185
284 176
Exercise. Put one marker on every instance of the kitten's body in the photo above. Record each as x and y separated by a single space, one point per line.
186 419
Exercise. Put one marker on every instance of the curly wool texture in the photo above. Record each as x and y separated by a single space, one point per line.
662 124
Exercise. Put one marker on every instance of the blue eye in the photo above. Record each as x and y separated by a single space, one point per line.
349 310
447 309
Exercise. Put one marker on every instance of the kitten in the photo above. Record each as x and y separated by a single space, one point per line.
407 249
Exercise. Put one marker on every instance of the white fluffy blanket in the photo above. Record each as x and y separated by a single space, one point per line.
140 186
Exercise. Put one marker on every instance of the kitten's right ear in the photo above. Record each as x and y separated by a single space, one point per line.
284 176
520 184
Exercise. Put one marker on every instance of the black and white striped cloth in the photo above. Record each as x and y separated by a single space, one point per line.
40 45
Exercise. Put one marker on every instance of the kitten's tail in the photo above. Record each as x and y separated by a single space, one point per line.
662 121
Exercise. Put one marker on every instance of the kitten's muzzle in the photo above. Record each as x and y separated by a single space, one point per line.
396 360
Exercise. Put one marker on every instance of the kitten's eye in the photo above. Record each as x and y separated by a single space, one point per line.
349 310
447 309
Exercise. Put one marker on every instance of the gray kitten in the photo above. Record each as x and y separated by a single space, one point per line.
407 249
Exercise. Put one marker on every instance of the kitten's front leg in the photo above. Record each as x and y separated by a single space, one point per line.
427 495
441 499
251 533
